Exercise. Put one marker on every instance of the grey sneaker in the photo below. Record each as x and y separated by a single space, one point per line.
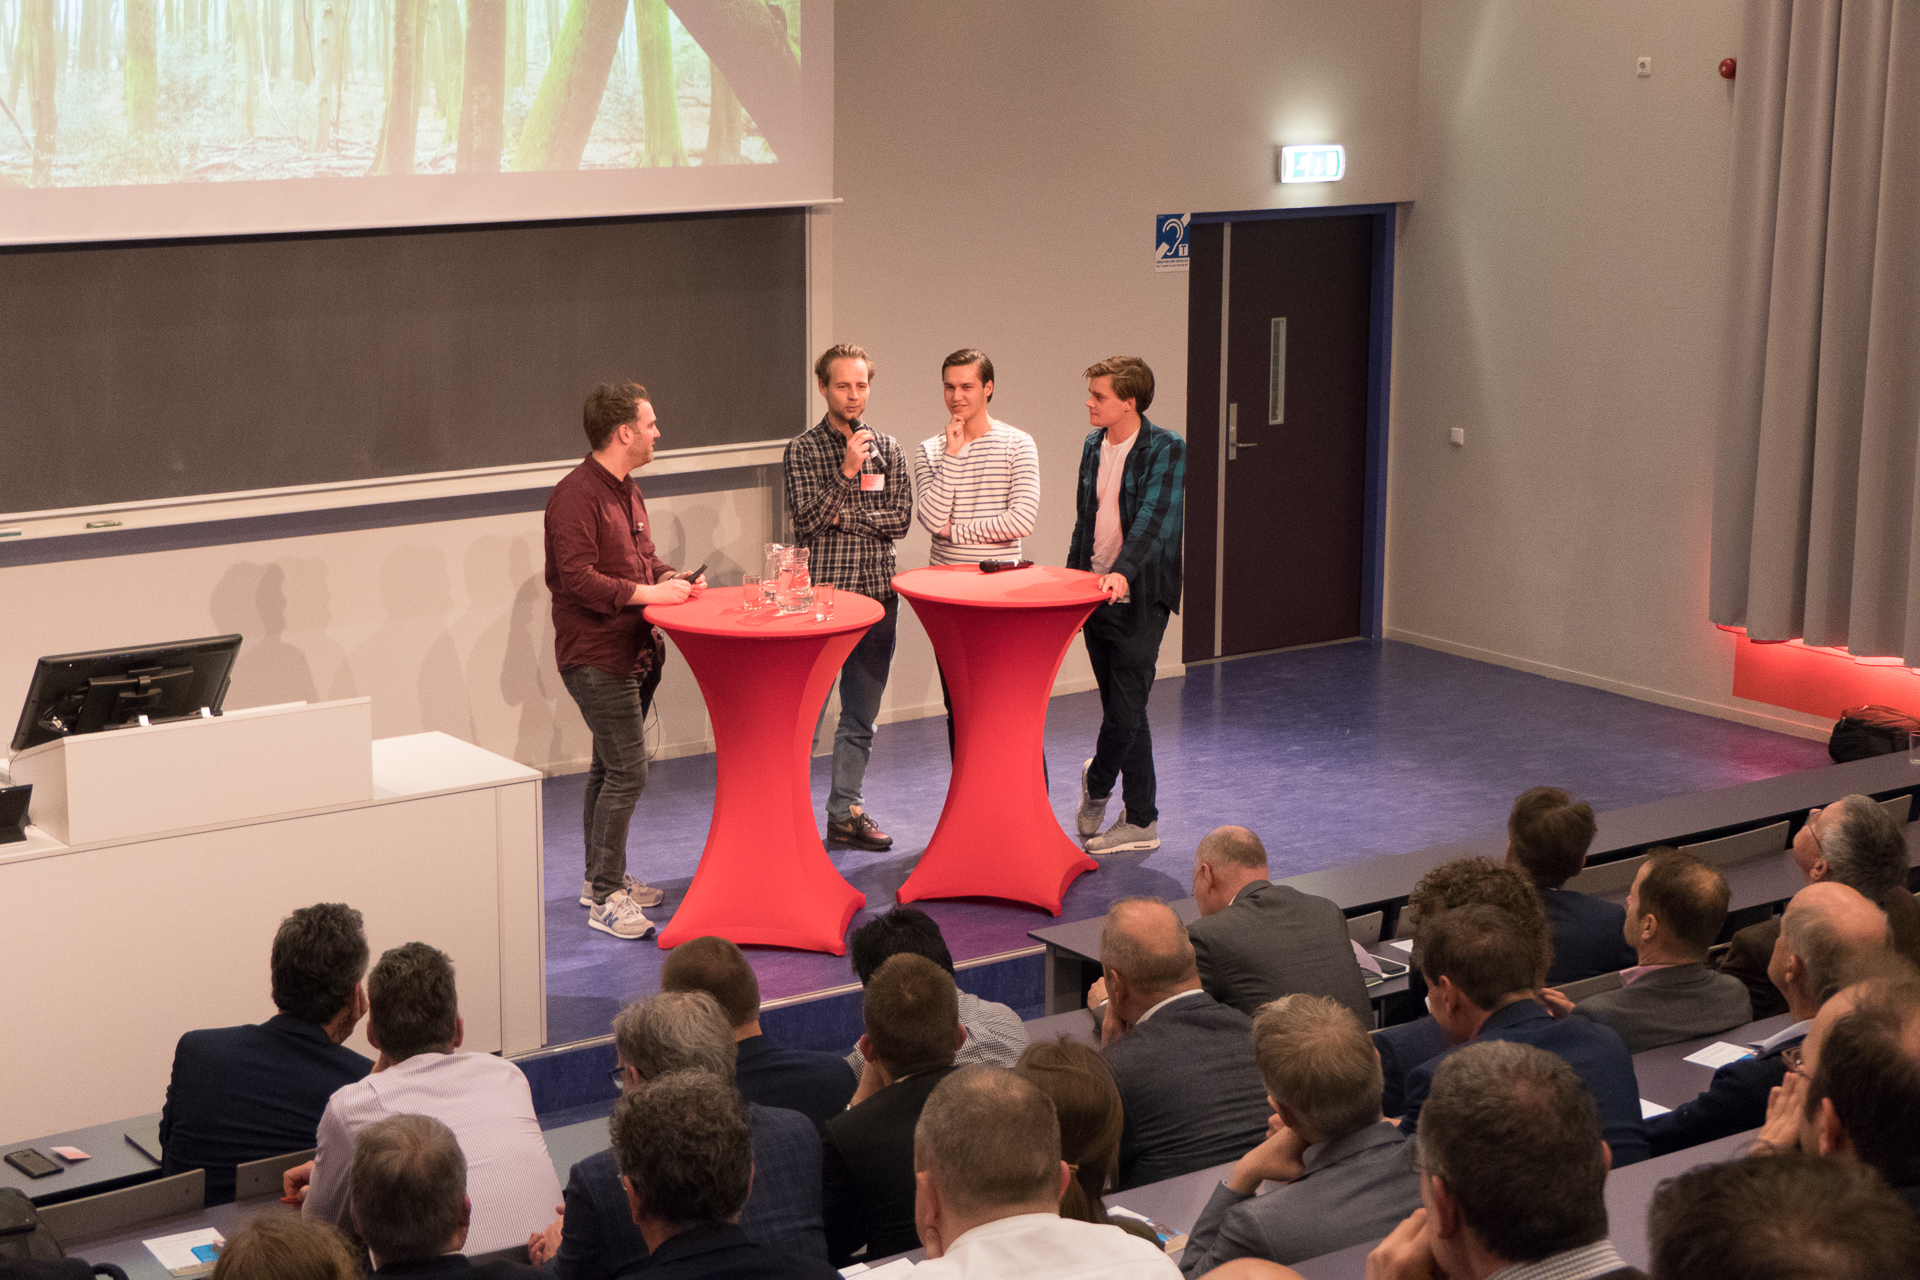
620 916
1092 812
1124 837
639 890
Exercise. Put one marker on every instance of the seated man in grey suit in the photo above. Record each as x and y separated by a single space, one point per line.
1674 912
1189 1089
1348 1176
1256 941
596 1238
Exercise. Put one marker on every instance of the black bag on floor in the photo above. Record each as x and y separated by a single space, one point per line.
1864 732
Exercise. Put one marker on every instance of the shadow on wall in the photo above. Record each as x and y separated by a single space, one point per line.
252 599
409 664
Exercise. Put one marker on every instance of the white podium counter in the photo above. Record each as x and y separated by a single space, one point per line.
113 947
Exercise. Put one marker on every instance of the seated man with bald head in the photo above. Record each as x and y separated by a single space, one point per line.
1854 842
1256 941
1189 1087
988 1180
1828 931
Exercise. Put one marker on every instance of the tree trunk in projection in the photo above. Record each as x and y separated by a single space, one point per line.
89 32
329 31
397 133
555 134
245 55
45 115
453 61
552 10
18 58
751 44
270 23
659 87
483 104
516 50
303 21
723 120
140 70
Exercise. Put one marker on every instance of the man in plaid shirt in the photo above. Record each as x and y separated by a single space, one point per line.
1132 486
851 500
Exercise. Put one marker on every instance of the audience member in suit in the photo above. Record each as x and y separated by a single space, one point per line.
685 1150
995 1033
1548 835
1781 1217
913 1031
1347 1175
1674 912
988 1183
1857 843
410 1202
1079 1084
1828 931
283 1246
814 1083
1256 941
1855 1096
246 1093
413 1019
595 1237
1482 973
1513 1173
1461 883
1191 1093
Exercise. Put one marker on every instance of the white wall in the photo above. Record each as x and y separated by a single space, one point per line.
1001 164
1559 297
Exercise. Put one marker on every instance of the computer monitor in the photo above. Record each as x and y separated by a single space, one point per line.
111 688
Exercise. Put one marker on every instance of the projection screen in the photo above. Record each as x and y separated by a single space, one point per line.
157 119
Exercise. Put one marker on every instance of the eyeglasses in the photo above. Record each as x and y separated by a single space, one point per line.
1793 1056
619 1077
1813 828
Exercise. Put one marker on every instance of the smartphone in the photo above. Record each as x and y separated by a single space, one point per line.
31 1163
694 576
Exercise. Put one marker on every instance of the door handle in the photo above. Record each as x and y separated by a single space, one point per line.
1234 443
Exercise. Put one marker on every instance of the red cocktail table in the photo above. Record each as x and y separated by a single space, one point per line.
764 877
1000 638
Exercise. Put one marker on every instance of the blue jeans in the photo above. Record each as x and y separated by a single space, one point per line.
1123 642
615 709
863 679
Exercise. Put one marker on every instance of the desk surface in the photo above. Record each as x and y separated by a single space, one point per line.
1667 1078
1175 1202
115 1161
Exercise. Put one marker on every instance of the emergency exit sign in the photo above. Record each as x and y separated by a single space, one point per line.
1325 163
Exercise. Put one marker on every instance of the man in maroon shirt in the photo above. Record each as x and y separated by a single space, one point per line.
602 571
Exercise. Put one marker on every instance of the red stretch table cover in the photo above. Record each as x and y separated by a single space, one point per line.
1000 638
764 877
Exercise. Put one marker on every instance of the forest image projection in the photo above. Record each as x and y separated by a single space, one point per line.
115 92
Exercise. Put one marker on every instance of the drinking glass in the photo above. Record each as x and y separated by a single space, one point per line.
822 601
750 590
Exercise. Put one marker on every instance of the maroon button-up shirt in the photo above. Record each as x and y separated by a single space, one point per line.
599 550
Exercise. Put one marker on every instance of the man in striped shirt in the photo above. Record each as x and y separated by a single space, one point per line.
1130 511
976 484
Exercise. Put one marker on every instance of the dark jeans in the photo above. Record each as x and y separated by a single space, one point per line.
863 679
615 709
1123 641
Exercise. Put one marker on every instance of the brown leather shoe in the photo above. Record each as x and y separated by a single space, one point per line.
859 831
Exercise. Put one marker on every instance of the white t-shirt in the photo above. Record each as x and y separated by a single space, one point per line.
1045 1246
1108 534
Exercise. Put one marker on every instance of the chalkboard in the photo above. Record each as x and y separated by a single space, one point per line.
132 372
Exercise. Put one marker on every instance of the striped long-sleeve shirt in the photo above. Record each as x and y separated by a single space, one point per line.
987 496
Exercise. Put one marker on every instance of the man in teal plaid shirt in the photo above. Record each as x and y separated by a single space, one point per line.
1129 510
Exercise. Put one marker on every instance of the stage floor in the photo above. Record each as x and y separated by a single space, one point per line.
1331 754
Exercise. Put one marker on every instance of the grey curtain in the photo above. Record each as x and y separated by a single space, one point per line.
1816 527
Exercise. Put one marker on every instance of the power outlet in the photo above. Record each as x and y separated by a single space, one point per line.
1456 435
1643 65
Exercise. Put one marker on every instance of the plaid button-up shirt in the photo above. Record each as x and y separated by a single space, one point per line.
1152 504
851 530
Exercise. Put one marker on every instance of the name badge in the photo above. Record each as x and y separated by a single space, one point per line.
872 483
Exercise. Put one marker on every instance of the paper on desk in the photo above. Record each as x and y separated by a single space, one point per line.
886 1271
1719 1054
191 1253
1405 944
1648 1110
